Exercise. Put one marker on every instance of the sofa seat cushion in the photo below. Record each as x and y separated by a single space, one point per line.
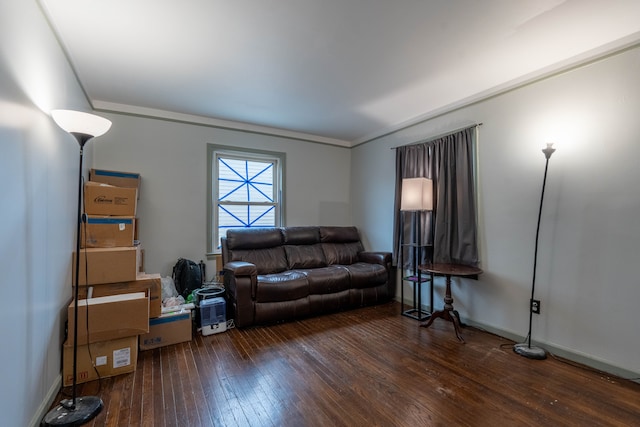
285 286
364 275
327 280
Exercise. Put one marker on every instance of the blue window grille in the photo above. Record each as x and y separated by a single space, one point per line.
246 193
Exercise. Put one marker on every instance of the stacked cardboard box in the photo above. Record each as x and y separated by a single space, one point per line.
112 317
150 284
100 360
164 329
170 328
115 299
116 178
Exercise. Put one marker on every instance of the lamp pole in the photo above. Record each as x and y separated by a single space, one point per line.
77 410
527 350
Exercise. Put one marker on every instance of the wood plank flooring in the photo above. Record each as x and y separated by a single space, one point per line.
366 367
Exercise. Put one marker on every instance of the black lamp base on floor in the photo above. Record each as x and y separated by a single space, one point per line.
530 352
66 414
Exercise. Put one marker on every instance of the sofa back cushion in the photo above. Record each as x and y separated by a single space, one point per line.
259 246
340 245
267 261
253 238
339 234
302 247
274 250
305 256
341 253
301 235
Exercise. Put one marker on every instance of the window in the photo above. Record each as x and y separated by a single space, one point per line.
245 190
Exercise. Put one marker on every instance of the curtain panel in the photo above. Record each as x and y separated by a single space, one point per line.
450 229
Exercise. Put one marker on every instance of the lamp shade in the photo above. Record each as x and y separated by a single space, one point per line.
82 123
549 150
417 194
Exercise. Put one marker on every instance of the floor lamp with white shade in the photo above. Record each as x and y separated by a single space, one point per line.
77 410
416 196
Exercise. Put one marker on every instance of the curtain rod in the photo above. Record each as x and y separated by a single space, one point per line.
433 138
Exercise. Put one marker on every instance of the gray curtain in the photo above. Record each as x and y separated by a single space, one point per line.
450 229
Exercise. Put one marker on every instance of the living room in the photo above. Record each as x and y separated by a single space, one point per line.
589 234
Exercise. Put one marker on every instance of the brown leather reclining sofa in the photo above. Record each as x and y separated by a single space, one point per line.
278 274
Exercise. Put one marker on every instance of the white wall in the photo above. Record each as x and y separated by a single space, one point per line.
38 169
590 234
172 160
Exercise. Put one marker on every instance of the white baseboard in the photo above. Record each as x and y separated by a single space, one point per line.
565 353
46 403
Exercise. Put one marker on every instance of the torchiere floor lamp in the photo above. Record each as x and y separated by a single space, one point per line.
525 349
77 410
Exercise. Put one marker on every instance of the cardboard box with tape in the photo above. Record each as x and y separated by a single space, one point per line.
104 199
107 231
168 329
107 265
100 360
111 317
117 178
151 284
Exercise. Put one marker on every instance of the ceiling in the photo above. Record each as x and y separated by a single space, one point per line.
335 71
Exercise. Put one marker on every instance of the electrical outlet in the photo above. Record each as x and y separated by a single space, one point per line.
535 306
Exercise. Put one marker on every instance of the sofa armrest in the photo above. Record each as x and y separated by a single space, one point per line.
241 268
240 281
382 258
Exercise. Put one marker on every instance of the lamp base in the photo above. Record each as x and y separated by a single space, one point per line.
86 408
530 352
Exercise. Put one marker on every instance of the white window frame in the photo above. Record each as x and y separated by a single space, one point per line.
214 152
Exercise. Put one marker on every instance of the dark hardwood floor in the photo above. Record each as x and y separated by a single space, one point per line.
367 367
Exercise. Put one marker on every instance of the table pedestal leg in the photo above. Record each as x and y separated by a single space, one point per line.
447 313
